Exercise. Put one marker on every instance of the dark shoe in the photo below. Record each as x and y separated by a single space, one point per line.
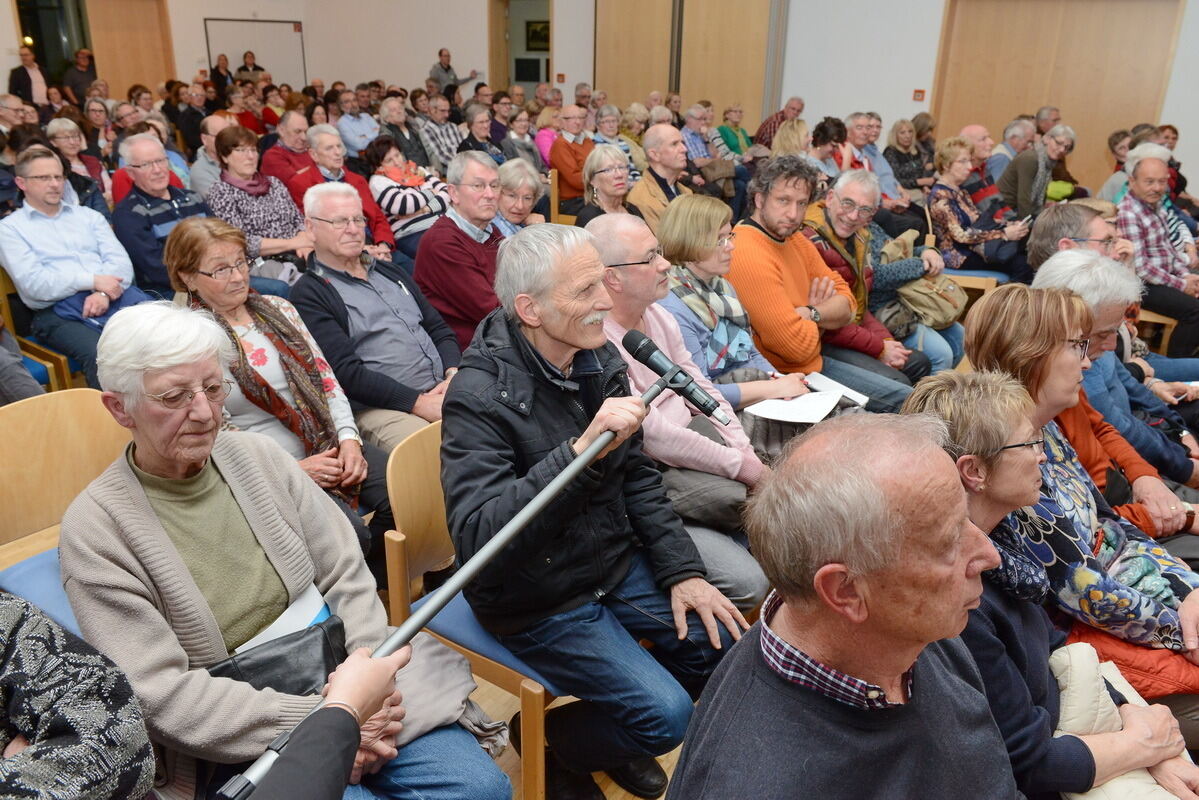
560 782
643 777
435 580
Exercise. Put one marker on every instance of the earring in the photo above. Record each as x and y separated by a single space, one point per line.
981 486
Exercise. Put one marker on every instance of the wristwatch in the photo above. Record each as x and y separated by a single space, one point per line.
815 312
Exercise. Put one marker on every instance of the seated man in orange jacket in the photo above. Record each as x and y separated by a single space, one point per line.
567 155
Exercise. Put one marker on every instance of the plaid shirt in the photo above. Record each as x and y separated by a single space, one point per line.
697 145
794 665
1158 261
445 139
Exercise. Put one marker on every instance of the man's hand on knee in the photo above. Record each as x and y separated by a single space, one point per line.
696 594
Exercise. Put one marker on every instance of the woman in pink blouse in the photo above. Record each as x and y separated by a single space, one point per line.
283 387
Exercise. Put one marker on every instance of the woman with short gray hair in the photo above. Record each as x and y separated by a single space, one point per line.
520 189
607 131
1026 180
393 122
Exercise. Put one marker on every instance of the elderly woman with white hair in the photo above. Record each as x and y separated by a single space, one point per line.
67 139
606 184
607 131
393 122
520 189
1026 180
190 548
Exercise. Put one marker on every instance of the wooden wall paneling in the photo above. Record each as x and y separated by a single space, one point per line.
632 48
1075 54
498 46
132 43
724 55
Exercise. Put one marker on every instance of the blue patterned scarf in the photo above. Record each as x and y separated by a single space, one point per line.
1017 575
716 305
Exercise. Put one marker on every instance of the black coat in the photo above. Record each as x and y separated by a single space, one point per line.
507 427
20 84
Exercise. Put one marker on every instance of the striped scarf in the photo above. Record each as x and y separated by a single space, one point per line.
716 305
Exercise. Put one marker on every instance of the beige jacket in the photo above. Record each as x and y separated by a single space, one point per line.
650 200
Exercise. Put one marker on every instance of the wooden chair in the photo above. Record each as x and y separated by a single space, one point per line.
56 365
53 446
420 543
556 216
1168 324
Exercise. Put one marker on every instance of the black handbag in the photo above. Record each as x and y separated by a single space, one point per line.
298 663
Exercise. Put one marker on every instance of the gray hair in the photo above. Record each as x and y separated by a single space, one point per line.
697 111
153 336
525 262
1094 277
95 101
781 169
1143 151
516 172
607 110
611 235
1016 126
457 166
860 177
659 115
581 85
1062 131
314 198
387 104
127 143
1044 112
60 125
472 111
854 117
316 131
287 115
1057 221
831 498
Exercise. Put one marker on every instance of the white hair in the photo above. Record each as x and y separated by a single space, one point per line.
314 198
657 117
1143 151
154 336
324 129
1062 131
1097 279
697 112
860 177
60 125
127 144
516 172
611 232
457 166
1016 126
525 262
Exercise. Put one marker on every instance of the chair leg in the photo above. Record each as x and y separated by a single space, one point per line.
532 737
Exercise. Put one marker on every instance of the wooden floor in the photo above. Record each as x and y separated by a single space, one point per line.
501 705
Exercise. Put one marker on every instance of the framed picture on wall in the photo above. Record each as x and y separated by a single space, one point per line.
537 35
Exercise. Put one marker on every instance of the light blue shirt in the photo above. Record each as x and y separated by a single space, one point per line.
1000 157
357 131
51 258
881 167
480 235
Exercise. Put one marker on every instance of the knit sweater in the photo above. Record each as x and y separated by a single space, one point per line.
567 158
269 216
137 603
143 223
787 741
772 279
283 163
667 437
457 275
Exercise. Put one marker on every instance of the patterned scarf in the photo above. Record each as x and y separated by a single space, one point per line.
716 304
256 186
1017 575
309 419
1044 175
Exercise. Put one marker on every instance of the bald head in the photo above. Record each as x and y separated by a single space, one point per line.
572 118
981 143
613 233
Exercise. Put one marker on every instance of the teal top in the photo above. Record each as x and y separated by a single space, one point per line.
735 138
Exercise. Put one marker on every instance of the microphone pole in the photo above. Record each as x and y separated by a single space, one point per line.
241 787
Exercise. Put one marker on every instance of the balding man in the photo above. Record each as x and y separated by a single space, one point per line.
567 155
206 169
864 534
1164 266
979 185
1017 137
444 73
609 563
289 155
667 156
770 126
517 94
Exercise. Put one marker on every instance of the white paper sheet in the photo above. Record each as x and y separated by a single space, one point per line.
821 383
808 408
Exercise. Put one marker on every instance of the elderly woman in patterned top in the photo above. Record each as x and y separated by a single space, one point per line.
1114 581
282 385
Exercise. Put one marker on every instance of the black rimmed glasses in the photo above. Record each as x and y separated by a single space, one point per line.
1037 446
1080 346
654 257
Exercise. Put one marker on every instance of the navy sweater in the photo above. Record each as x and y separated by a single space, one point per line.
1011 641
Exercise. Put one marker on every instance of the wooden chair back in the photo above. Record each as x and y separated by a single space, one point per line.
53 446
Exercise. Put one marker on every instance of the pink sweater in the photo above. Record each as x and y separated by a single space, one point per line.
667 437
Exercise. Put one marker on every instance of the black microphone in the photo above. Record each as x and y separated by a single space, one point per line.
642 348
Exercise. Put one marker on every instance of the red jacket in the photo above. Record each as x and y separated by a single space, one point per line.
457 275
122 183
568 159
376 220
282 163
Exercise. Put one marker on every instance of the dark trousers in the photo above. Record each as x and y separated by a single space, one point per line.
917 367
372 497
1181 306
895 223
71 337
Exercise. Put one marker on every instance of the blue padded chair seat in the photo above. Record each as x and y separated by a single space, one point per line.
37 369
1000 277
39 580
457 623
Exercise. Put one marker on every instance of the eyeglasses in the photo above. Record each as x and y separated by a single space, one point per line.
1080 346
852 208
479 186
656 255
724 241
624 170
225 273
46 178
341 223
1106 244
152 164
176 399
68 137
246 151
1037 445
1066 144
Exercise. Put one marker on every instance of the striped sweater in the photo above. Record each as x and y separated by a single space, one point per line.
410 209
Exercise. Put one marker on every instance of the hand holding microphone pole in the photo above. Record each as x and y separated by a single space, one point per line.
620 415
642 348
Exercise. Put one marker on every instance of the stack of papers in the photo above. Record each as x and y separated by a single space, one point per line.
809 408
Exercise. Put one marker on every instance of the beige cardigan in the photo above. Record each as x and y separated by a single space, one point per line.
137 603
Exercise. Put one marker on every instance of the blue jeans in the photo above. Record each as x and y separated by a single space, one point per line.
633 702
70 337
944 348
268 286
886 395
740 182
1174 369
444 764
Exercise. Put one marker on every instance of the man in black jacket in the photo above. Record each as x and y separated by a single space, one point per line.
390 350
609 562
28 81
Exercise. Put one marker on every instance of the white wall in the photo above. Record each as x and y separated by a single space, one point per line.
520 12
187 27
572 43
9 35
894 51
1179 108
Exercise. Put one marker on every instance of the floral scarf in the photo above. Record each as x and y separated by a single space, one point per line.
256 186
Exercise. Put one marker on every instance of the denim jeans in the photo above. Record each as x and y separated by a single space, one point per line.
1173 369
69 337
886 396
444 764
944 348
633 702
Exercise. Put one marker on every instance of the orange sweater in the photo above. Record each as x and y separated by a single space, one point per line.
1099 446
568 158
772 279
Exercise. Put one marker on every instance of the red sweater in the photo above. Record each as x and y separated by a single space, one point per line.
282 163
457 275
568 159
376 220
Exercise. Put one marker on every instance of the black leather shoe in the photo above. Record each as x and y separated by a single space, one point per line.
643 777
560 782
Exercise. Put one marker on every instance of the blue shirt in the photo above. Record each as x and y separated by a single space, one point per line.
697 145
1001 156
882 168
357 131
49 258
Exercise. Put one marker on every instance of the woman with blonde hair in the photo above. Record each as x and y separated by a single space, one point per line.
606 184
731 131
632 124
791 139
548 125
906 159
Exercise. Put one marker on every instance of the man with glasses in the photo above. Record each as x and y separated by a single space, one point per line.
12 112
79 76
389 348
191 117
667 156
455 262
567 155
791 110
439 133
146 216
894 216
1171 288
54 251
206 169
